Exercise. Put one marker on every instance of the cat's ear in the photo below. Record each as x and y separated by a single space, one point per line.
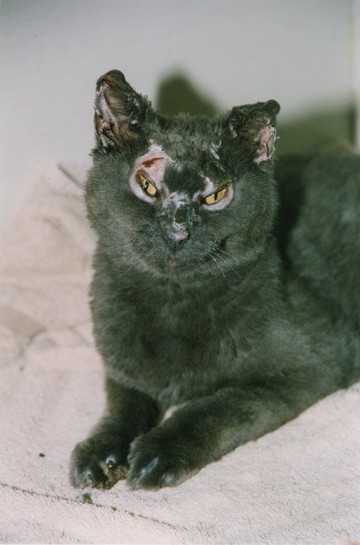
119 111
255 125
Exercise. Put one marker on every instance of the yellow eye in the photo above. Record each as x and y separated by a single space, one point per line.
146 185
216 197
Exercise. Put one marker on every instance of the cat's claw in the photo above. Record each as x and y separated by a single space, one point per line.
152 476
154 467
139 478
89 479
94 470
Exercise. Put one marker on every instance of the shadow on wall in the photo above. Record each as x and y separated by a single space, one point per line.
316 127
177 94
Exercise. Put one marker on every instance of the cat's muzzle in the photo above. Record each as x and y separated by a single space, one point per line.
176 237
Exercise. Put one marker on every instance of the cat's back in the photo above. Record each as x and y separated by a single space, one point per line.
321 210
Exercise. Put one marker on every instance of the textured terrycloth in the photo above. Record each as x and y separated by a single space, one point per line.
297 485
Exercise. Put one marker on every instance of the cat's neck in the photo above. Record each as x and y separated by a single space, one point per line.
257 267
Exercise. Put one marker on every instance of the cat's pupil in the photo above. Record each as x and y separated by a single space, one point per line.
143 182
146 186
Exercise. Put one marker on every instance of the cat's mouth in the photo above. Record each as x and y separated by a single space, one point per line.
173 263
177 264
192 258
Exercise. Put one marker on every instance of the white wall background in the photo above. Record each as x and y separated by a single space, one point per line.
304 54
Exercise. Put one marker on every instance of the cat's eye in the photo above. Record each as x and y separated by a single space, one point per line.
215 197
146 185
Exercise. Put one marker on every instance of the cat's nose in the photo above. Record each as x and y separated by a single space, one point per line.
176 238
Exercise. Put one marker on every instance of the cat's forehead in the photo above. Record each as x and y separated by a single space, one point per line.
184 178
179 175
185 135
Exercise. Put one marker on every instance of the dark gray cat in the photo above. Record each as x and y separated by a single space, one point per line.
192 305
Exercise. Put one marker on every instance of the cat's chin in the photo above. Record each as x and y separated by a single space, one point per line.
177 271
180 266
171 269
173 264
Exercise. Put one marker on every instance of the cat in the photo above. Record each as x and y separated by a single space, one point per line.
208 339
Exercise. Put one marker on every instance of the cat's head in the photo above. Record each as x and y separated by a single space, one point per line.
182 196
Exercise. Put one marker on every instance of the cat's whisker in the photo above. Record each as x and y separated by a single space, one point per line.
222 256
218 264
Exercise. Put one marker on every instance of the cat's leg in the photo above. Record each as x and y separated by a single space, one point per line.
206 429
101 460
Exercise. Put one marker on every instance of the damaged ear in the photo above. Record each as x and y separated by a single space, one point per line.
119 111
255 124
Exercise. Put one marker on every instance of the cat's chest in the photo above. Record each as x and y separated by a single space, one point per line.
172 341
177 326
179 313
172 337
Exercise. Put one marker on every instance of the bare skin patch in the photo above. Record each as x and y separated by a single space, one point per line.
149 168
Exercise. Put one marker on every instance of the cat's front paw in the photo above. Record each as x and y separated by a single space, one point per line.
98 463
157 461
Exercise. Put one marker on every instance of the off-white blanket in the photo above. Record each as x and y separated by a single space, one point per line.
297 485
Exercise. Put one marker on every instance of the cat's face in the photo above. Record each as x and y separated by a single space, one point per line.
180 197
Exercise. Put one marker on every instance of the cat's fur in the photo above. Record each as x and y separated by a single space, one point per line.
191 303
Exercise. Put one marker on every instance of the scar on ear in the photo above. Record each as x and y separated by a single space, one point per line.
266 142
119 110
